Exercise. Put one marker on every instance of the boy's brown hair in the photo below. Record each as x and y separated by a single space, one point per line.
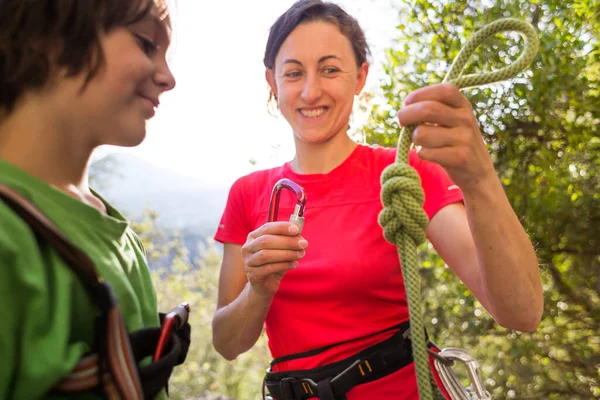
37 36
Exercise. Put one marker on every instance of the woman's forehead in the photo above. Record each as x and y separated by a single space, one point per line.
315 39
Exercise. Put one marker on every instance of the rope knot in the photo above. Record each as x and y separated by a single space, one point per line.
402 199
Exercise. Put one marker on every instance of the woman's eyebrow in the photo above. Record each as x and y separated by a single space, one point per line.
291 61
328 57
322 59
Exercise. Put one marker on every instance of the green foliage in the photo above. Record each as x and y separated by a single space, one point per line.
542 132
205 372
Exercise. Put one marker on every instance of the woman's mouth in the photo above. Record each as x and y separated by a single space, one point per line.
313 112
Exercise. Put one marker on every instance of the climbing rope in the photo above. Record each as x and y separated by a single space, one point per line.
403 218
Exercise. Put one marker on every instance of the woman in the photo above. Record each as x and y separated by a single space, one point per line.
343 293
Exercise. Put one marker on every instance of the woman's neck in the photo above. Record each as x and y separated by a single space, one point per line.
322 158
50 149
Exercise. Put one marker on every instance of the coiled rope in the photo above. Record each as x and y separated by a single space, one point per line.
403 218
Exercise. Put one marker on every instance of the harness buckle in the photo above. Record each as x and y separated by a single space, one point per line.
287 388
291 390
365 368
309 386
456 390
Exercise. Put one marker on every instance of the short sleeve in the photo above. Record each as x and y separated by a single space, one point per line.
234 226
439 189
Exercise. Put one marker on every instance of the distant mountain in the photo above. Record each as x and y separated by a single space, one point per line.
182 203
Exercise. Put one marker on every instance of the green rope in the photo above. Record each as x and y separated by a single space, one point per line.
403 218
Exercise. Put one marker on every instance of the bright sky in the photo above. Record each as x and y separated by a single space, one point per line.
216 119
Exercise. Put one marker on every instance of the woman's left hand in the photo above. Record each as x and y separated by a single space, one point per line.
447 133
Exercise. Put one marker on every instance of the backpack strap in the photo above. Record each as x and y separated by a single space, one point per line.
116 369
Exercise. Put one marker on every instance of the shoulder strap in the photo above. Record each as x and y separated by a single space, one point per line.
112 338
79 262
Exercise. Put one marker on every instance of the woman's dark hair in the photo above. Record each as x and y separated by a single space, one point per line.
36 36
315 10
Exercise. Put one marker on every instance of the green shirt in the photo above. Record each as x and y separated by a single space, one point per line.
46 317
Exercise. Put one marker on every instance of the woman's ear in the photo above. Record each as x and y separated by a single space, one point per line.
361 79
270 77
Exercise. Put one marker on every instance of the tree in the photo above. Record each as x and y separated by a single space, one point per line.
542 133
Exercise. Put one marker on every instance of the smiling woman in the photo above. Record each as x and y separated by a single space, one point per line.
335 308
75 75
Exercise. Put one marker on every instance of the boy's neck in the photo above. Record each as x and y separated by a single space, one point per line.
40 144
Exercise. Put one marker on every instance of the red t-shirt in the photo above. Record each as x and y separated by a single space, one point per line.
349 284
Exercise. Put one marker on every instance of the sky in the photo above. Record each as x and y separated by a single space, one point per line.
216 120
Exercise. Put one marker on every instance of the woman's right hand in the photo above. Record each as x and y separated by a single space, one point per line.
269 252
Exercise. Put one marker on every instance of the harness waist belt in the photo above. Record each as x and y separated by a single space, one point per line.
333 381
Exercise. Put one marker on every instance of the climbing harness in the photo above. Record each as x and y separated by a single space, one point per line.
297 218
333 381
404 220
113 369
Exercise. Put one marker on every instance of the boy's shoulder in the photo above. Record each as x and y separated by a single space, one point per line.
15 234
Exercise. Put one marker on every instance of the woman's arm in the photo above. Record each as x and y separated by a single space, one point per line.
485 244
250 277
490 252
240 314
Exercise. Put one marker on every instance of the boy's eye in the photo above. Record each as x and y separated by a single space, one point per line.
146 45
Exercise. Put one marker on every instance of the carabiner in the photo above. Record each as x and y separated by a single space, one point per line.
297 218
456 390
174 319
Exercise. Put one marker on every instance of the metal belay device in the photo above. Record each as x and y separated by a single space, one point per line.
404 220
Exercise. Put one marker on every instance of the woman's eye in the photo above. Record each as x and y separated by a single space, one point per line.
146 45
330 70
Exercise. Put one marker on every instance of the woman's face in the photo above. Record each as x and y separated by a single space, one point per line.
315 79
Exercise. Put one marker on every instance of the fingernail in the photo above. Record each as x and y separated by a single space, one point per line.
295 264
301 253
303 243
293 230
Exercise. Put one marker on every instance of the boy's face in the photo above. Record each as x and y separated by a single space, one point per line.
117 101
